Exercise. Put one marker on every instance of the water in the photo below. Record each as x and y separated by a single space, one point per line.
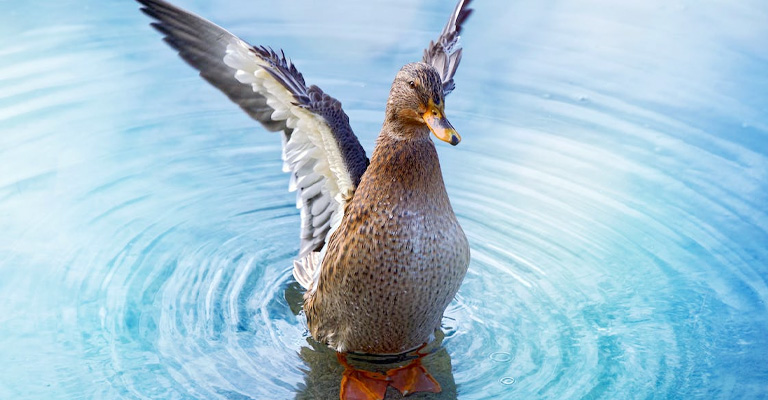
611 181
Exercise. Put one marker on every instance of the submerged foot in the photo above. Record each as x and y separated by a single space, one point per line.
357 384
412 378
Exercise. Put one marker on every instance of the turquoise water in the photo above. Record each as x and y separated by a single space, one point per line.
612 181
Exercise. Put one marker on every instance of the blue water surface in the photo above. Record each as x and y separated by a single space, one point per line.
612 181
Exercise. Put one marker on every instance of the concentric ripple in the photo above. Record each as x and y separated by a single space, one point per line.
611 181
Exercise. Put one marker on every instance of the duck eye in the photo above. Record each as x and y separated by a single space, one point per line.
412 84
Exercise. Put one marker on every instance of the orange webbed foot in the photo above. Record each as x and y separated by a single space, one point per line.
358 384
412 378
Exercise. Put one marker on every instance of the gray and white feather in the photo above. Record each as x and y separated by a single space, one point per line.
444 54
320 151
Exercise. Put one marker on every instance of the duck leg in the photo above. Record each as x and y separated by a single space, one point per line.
412 378
357 384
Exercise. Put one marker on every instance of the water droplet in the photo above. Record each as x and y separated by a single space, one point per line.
501 356
507 380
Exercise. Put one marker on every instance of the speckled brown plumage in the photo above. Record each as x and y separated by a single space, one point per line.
399 255
387 273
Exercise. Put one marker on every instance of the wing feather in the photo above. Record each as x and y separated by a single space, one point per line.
444 54
324 157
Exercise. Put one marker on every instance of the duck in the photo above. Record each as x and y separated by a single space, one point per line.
381 252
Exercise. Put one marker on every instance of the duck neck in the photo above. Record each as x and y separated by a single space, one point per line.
407 161
402 123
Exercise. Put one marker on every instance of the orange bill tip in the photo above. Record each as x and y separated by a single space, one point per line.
440 126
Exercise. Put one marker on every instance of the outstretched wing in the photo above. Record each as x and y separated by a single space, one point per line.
444 54
321 152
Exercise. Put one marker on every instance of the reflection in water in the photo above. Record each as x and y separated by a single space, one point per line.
611 181
324 372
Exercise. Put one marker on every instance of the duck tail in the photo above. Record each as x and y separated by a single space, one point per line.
307 269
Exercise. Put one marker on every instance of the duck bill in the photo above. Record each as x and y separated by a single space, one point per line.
440 126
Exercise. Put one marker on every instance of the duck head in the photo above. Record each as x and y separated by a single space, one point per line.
416 104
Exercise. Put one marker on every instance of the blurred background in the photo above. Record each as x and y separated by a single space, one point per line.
612 181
